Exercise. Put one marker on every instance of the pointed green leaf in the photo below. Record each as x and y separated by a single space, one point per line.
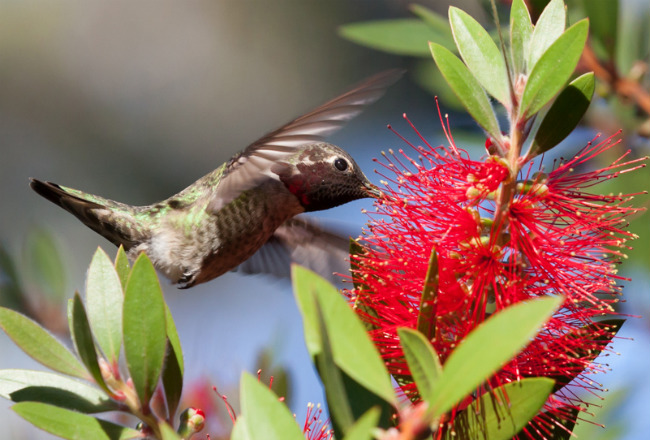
422 360
172 379
39 344
338 400
437 23
265 416
144 328
168 432
44 263
548 29
364 427
343 353
41 386
481 55
122 266
554 69
405 36
174 340
467 89
172 375
353 350
11 290
603 18
104 300
633 39
500 415
427 311
486 349
521 31
71 424
83 341
240 429
565 113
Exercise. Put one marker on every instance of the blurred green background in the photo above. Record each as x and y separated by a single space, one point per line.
136 100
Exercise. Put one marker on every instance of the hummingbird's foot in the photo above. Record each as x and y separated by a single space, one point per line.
187 280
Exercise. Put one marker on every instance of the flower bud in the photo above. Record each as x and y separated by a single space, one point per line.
192 420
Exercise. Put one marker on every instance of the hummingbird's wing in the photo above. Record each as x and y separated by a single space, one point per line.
253 166
304 241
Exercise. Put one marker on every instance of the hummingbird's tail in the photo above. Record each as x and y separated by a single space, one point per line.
115 221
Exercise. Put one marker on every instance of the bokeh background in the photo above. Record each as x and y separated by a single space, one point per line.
135 100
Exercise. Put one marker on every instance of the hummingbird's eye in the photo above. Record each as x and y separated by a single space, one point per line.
341 164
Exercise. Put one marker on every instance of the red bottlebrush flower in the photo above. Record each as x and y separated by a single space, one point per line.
314 428
502 234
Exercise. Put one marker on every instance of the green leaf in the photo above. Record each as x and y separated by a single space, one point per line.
500 415
266 360
364 427
553 69
172 375
172 379
144 328
265 417
168 432
338 400
83 340
565 113
548 29
603 18
521 31
427 312
122 266
486 349
240 429
467 89
422 360
352 371
633 40
481 55
11 290
44 263
71 424
39 344
41 386
104 300
437 23
403 36
174 340
353 350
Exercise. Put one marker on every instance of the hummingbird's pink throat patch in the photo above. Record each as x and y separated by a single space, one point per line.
301 183
298 189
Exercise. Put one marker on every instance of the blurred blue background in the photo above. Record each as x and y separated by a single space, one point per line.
135 100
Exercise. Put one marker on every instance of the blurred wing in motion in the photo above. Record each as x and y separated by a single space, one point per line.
253 166
304 241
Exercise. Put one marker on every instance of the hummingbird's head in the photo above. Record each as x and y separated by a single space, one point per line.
323 176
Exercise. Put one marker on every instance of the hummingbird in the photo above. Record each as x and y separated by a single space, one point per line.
242 214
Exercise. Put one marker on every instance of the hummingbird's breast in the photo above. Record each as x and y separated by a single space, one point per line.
193 245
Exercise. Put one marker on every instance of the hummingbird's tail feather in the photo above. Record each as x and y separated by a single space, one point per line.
111 219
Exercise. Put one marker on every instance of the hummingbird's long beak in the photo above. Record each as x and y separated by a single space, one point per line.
373 191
